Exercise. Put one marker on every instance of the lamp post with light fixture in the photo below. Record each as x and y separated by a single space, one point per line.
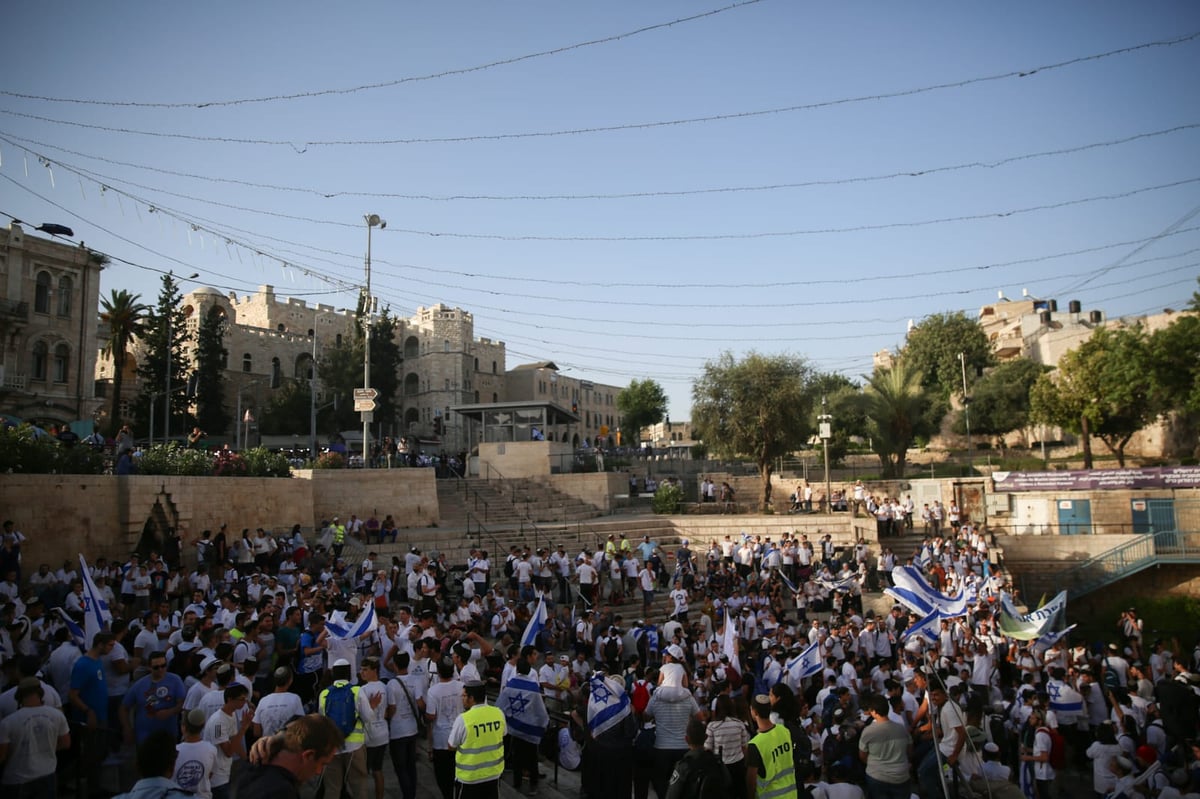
825 428
372 221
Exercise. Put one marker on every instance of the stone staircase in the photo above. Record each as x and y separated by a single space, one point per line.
506 503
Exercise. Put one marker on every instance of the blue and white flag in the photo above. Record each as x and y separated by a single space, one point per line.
844 584
77 634
523 708
729 642
787 582
96 614
1047 640
537 623
911 590
927 627
651 634
925 558
365 623
608 703
806 664
1064 701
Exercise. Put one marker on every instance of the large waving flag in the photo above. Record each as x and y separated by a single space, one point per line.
806 664
523 708
844 584
925 557
927 628
608 703
1028 626
77 634
787 582
96 615
365 623
1064 700
537 623
914 593
1047 640
729 642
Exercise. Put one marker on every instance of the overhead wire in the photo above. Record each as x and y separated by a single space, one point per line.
301 147
388 83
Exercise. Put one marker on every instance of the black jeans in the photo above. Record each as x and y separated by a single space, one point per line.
404 761
664 764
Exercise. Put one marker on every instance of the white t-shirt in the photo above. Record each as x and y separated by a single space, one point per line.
275 710
403 723
374 719
194 767
32 735
220 728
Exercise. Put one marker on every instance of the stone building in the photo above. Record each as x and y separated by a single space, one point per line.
49 295
594 403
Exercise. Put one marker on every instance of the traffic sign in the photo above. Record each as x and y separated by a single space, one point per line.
364 404
365 394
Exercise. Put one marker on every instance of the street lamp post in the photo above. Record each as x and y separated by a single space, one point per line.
372 221
826 433
312 402
966 400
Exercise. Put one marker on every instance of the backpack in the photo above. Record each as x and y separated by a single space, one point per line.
183 662
340 707
1058 748
508 567
612 651
640 696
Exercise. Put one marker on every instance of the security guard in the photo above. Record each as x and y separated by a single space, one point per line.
770 770
477 740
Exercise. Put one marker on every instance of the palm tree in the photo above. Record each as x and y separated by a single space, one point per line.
124 316
895 405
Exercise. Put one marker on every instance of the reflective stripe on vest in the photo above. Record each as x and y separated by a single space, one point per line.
481 756
779 774
339 534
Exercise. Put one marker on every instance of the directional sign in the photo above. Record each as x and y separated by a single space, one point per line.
364 404
365 394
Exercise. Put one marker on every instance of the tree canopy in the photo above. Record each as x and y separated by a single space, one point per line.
933 346
896 408
211 357
642 403
124 316
760 407
164 335
1000 400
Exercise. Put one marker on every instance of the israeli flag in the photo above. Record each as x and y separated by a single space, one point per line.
924 558
806 664
523 708
844 585
96 614
537 623
366 623
651 634
913 592
1048 640
787 582
77 634
1064 699
608 703
729 643
927 627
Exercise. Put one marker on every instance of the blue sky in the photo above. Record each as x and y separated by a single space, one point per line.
722 250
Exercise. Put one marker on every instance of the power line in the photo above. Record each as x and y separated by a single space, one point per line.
303 146
330 194
390 83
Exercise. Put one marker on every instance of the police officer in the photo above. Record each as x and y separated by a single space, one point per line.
770 771
477 740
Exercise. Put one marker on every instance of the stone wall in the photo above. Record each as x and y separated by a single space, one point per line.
104 516
595 488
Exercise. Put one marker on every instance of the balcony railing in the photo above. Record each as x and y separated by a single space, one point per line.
14 309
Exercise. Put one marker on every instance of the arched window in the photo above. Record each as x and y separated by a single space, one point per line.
446 345
38 363
276 373
41 297
493 367
476 397
64 296
281 327
304 366
247 362
476 364
495 397
62 363
338 341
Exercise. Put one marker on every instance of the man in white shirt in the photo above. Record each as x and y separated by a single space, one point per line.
227 734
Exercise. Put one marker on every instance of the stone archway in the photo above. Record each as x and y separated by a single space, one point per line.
163 517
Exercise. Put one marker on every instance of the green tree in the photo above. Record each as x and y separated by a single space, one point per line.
1000 400
340 372
287 412
211 357
1100 389
123 316
164 335
1175 365
842 402
896 408
933 347
760 407
642 403
385 369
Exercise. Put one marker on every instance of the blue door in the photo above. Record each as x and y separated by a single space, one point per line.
1074 516
1152 515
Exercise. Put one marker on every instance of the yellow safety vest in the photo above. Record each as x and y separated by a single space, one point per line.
339 533
480 757
779 773
357 736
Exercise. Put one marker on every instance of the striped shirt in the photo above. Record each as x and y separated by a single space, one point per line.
728 738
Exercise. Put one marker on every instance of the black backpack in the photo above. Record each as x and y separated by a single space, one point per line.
612 651
184 663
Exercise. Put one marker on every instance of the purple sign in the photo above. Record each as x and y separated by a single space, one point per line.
1099 479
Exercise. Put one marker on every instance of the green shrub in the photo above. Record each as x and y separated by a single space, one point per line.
261 462
667 498
329 460
22 452
173 459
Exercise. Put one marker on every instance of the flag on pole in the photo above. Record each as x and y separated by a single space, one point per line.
77 634
787 582
1047 640
537 623
365 623
924 558
806 664
911 590
96 614
729 642
1028 626
927 627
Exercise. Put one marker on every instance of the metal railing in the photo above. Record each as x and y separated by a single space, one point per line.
1168 546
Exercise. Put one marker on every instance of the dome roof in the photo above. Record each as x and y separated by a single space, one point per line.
208 290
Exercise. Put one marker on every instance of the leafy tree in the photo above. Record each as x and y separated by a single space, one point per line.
340 372
164 335
1175 365
211 356
760 407
385 368
642 403
288 410
842 402
123 315
896 408
932 349
1000 400
1099 389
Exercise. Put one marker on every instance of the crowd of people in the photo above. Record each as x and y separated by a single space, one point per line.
761 676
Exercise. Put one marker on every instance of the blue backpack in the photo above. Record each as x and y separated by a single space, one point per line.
340 707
